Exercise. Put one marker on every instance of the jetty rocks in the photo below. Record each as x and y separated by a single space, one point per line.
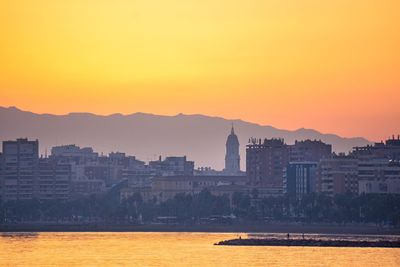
308 243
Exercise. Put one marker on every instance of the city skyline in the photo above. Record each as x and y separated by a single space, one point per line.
273 168
330 66
157 133
148 136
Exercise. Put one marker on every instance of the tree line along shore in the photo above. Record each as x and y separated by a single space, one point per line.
293 228
379 210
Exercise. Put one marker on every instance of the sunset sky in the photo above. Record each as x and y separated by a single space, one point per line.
329 65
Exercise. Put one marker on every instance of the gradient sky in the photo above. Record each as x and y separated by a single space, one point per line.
329 65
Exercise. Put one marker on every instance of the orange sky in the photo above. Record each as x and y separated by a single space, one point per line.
329 65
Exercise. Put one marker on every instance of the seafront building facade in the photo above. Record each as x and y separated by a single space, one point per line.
309 151
379 176
337 175
71 172
20 169
274 168
269 161
390 149
53 180
299 178
265 162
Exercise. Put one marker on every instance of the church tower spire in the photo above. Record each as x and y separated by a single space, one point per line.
232 157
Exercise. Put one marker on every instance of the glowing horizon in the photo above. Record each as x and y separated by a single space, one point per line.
330 66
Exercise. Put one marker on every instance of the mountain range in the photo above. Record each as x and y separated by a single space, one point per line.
201 138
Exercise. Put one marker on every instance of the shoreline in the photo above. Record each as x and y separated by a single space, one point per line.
207 228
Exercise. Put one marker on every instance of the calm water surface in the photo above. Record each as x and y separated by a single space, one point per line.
173 249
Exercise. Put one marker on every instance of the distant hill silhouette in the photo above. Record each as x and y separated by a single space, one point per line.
201 138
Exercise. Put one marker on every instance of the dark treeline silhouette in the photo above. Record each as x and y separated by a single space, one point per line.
207 208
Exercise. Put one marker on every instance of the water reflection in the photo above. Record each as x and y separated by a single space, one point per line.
173 249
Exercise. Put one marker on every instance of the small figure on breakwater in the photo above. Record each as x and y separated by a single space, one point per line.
288 235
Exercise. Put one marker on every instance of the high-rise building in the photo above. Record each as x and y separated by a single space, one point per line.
20 169
54 180
379 176
232 157
299 178
338 175
265 162
390 149
73 153
309 150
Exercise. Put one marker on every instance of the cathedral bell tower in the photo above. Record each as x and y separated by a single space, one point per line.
232 157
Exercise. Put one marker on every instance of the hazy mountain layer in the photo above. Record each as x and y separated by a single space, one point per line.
201 138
